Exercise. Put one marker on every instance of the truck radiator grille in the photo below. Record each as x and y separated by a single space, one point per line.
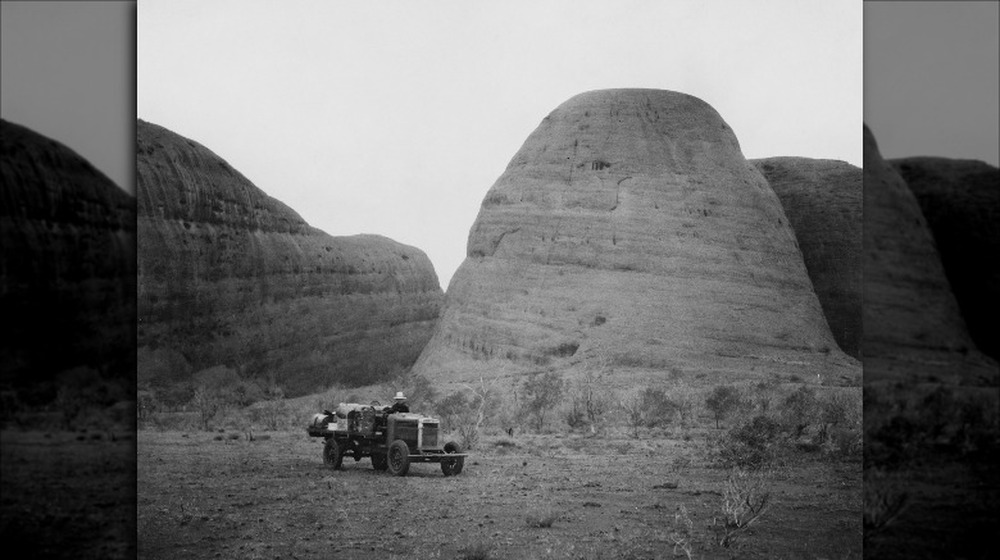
407 432
430 434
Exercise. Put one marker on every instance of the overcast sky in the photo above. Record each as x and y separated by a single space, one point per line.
396 117
68 72
931 81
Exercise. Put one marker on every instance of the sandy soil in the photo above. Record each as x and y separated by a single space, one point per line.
68 495
607 498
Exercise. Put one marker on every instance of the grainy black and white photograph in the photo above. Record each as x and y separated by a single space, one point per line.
932 279
499 279
67 279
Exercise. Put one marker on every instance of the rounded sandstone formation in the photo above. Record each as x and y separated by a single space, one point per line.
67 265
822 199
913 329
961 201
229 275
630 229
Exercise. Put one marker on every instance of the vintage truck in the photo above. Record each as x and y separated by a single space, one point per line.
393 441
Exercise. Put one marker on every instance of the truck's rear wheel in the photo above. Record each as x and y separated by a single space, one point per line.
451 467
398 458
332 455
379 462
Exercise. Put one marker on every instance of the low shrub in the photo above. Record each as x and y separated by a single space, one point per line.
541 519
745 499
845 443
477 551
682 532
892 444
884 501
751 445
800 409
723 401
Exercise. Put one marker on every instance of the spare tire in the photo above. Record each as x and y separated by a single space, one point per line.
451 467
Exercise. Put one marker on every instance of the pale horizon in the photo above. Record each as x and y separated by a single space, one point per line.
68 73
932 79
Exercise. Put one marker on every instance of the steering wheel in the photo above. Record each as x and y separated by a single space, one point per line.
376 403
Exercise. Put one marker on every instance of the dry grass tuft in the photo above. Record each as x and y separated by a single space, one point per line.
541 519
478 551
884 501
744 500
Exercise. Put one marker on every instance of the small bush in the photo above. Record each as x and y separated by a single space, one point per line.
892 444
745 499
800 410
542 519
723 401
751 445
884 501
978 429
682 532
478 551
651 408
271 414
845 443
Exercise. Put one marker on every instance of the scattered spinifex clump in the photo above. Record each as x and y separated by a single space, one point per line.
541 519
682 534
908 428
745 499
773 427
477 551
751 445
884 501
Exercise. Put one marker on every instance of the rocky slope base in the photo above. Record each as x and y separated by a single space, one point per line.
630 230
67 264
913 328
822 199
961 201
231 276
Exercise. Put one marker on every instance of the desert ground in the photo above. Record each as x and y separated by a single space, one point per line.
68 494
566 495
932 487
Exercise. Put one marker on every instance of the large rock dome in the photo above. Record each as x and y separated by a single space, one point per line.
961 201
823 199
230 276
67 263
913 328
629 229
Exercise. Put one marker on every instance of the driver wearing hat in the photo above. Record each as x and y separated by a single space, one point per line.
399 405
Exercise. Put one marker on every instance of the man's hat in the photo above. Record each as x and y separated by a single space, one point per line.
399 396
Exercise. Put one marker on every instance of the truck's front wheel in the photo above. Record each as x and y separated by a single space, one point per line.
332 454
398 458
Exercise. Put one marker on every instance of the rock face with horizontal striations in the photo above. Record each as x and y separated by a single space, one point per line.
630 229
913 329
823 199
961 201
67 263
230 276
